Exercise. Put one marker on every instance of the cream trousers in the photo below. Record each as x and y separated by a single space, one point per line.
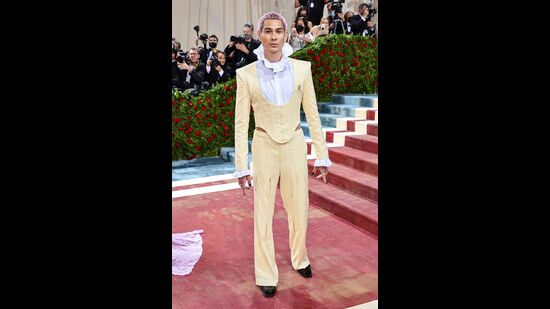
284 163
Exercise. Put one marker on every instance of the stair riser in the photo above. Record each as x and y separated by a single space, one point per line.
362 145
355 100
368 224
364 166
349 185
372 130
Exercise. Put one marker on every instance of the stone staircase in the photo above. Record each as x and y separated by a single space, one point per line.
350 124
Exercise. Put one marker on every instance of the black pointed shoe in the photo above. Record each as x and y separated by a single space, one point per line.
305 272
268 291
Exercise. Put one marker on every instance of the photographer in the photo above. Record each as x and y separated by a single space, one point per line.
178 79
315 9
240 48
358 23
192 71
336 17
371 29
217 70
297 38
317 31
209 52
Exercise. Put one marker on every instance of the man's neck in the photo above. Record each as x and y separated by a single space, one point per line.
274 57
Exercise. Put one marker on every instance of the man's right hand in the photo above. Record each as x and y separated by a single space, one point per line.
243 181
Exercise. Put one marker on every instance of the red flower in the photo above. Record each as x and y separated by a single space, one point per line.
310 52
190 130
198 116
196 108
213 135
177 120
198 133
331 53
189 141
230 113
203 108
316 58
373 43
225 127
320 53
227 134
209 124
199 101
192 156
346 69
215 116
208 100
320 79
181 129
177 145
209 139
325 50
198 122
226 88
173 102
198 148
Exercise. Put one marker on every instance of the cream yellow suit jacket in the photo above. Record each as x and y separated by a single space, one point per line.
279 122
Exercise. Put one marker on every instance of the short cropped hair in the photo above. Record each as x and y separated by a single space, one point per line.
271 15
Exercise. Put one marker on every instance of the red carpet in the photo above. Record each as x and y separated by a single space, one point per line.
344 258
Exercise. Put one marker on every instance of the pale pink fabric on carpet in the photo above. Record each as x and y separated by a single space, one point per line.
186 251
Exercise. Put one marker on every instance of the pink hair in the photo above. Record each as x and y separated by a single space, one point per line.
271 15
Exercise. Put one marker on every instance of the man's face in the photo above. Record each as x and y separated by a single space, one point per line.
213 40
364 11
247 30
273 35
370 24
221 58
194 55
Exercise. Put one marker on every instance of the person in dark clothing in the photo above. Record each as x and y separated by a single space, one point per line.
241 54
177 76
315 9
358 22
194 73
220 73
206 54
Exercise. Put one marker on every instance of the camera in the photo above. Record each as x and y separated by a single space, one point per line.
372 10
182 57
203 37
337 5
299 28
237 39
215 61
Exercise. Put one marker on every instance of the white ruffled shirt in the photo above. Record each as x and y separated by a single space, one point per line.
273 77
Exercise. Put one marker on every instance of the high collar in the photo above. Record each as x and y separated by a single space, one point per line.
275 66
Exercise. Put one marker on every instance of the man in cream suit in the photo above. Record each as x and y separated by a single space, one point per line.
275 86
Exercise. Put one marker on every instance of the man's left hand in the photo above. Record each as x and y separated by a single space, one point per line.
323 172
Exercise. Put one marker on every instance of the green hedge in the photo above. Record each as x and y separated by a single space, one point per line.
342 64
202 125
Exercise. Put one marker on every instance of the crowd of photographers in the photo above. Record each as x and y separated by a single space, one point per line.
201 67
